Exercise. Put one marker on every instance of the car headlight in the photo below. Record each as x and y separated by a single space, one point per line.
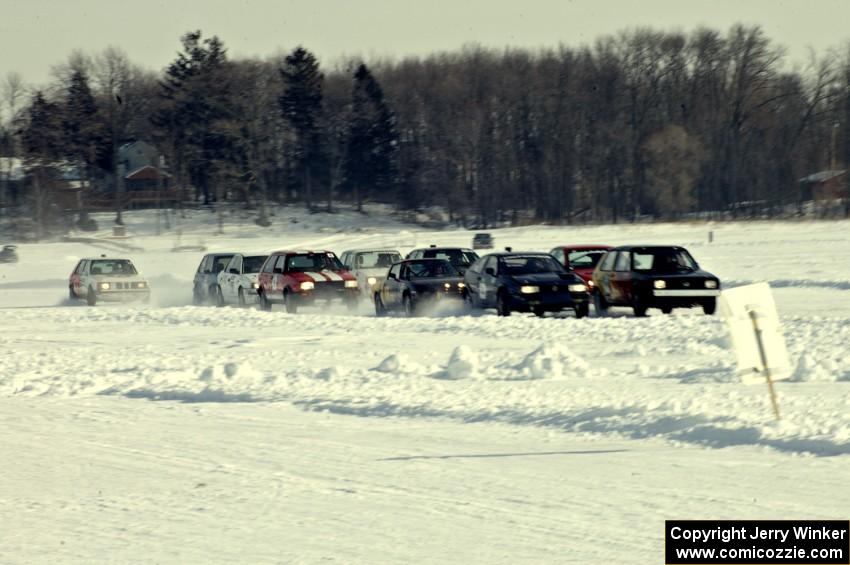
710 284
255 285
461 285
307 285
529 289
372 280
350 284
447 286
659 284
142 284
577 287
103 286
590 283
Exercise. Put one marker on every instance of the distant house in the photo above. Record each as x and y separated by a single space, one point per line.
142 167
825 185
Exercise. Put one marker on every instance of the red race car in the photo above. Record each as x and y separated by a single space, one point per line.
299 278
581 259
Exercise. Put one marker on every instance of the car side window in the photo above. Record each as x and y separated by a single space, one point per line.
475 268
405 272
235 263
491 263
607 263
268 264
204 264
81 267
396 270
281 260
623 260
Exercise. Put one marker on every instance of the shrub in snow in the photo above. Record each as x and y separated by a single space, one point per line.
552 360
463 363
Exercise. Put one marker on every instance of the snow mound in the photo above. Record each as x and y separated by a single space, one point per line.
810 369
395 363
462 364
552 360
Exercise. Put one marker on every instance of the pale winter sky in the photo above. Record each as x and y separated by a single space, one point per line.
37 34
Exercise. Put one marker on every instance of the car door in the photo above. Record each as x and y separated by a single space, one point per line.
621 280
76 277
488 282
265 277
278 275
603 279
230 279
390 294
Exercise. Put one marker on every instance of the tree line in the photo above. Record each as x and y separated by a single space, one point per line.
644 123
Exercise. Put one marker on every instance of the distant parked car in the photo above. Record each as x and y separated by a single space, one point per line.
369 266
237 283
524 282
205 283
653 276
109 279
411 284
482 241
580 259
460 257
300 278
9 254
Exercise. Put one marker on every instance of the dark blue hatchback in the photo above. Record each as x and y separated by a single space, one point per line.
524 282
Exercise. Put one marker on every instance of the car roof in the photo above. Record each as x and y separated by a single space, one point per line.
518 253
372 250
220 253
654 246
423 259
106 259
438 247
583 247
300 252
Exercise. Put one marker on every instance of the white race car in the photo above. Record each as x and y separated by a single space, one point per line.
237 283
370 266
110 279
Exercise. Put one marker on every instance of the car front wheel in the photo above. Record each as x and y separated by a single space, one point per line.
241 297
264 303
91 297
289 303
502 306
599 303
709 307
639 306
409 306
380 309
582 310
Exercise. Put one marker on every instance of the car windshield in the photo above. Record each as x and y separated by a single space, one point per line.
112 267
313 262
376 259
663 260
585 259
457 257
431 269
529 265
252 264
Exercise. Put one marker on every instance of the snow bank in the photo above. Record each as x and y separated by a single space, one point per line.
552 361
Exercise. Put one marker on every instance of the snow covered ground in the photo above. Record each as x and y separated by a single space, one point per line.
179 434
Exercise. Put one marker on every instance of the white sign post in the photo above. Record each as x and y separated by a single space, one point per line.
756 334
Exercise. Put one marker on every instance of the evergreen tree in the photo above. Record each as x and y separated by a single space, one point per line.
301 108
42 144
370 166
196 108
82 134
